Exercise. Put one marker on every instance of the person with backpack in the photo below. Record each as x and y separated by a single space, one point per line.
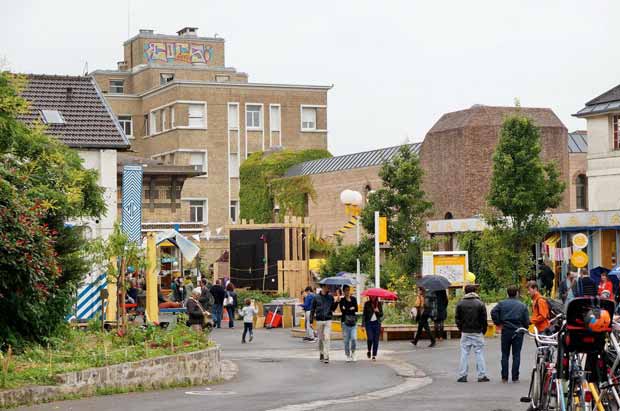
429 310
509 315
540 307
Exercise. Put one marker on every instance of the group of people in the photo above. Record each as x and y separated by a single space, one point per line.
320 307
430 305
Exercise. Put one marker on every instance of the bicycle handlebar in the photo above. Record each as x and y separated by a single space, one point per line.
541 339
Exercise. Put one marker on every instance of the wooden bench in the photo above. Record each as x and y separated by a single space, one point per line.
407 331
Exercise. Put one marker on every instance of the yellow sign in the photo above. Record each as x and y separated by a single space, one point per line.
383 230
580 240
453 267
579 259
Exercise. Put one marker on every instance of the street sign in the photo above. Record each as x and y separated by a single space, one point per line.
580 240
579 259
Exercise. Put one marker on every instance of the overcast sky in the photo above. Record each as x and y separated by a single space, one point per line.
396 66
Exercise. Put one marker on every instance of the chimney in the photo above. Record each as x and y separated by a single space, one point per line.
146 31
122 65
188 32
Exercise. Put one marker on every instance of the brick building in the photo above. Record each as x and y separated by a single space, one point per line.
577 166
457 156
181 104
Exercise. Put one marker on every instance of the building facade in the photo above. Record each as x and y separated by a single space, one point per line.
577 166
181 104
602 115
74 111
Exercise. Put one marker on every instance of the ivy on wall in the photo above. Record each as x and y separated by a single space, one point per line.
262 184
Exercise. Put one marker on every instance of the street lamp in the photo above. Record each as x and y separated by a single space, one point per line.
352 201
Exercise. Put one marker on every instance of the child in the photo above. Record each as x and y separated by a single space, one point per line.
248 312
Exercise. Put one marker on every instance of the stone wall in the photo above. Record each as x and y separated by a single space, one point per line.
198 367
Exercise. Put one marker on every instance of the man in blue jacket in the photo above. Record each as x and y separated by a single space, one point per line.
307 307
511 314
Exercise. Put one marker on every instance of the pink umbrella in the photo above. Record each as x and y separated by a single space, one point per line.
381 293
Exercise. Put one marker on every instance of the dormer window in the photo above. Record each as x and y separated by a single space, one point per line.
52 117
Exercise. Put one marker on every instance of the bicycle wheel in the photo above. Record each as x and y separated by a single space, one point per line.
536 385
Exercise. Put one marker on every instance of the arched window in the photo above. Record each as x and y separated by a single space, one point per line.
448 216
581 192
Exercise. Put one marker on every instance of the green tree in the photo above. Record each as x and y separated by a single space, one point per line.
403 201
49 182
523 188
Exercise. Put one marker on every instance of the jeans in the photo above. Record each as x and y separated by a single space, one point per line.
217 315
324 329
309 330
373 329
469 342
511 341
349 334
424 326
247 327
231 316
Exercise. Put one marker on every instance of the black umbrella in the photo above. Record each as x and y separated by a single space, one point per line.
338 281
433 282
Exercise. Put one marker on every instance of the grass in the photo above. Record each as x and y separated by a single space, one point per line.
82 349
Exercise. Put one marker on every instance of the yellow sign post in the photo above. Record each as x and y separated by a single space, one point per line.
580 240
579 259
152 307
383 230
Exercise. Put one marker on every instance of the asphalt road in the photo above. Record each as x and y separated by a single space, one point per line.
280 372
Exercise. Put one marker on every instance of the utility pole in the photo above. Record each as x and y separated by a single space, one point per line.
377 254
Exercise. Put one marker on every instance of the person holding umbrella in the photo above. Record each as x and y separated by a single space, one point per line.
424 314
323 306
373 314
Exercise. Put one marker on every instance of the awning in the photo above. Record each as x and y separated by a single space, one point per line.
188 249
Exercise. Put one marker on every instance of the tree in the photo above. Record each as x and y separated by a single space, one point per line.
404 203
523 189
46 184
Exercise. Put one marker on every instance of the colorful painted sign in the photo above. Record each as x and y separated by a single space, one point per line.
450 264
580 240
165 52
579 259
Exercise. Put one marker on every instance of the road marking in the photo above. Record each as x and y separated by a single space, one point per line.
209 392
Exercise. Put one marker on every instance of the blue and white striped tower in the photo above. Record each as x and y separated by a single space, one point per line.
132 203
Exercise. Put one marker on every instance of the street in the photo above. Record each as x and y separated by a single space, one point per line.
278 372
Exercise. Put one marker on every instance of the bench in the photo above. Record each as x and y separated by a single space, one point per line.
407 331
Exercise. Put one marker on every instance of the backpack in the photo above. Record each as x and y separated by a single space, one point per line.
555 307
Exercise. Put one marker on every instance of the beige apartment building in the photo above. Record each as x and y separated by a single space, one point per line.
179 103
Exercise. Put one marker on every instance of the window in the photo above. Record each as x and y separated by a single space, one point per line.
163 120
153 123
233 165
234 210
233 116
616 126
196 116
165 78
253 116
222 79
117 86
146 125
125 122
274 118
308 118
198 160
52 117
197 211
581 192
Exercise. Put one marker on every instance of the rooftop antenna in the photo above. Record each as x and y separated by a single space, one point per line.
85 69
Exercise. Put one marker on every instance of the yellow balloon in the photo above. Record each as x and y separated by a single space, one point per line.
470 277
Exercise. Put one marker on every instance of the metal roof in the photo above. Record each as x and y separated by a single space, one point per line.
577 142
607 102
348 161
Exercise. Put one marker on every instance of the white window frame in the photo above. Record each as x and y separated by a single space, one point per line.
161 78
272 124
260 117
230 167
110 85
123 121
205 209
172 107
204 116
316 107
230 205
163 120
162 155
222 78
205 160
236 125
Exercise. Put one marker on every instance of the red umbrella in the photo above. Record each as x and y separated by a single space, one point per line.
381 293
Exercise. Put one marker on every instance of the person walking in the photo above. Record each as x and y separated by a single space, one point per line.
206 298
248 312
195 312
372 316
566 285
424 316
323 306
540 308
189 288
219 294
441 300
231 303
348 308
307 307
509 315
471 320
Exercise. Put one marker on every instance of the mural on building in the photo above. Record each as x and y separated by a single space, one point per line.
177 52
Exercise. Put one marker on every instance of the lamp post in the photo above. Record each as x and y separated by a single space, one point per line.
352 201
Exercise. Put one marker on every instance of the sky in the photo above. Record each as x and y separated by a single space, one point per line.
395 66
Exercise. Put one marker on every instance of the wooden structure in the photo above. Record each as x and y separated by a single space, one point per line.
271 257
